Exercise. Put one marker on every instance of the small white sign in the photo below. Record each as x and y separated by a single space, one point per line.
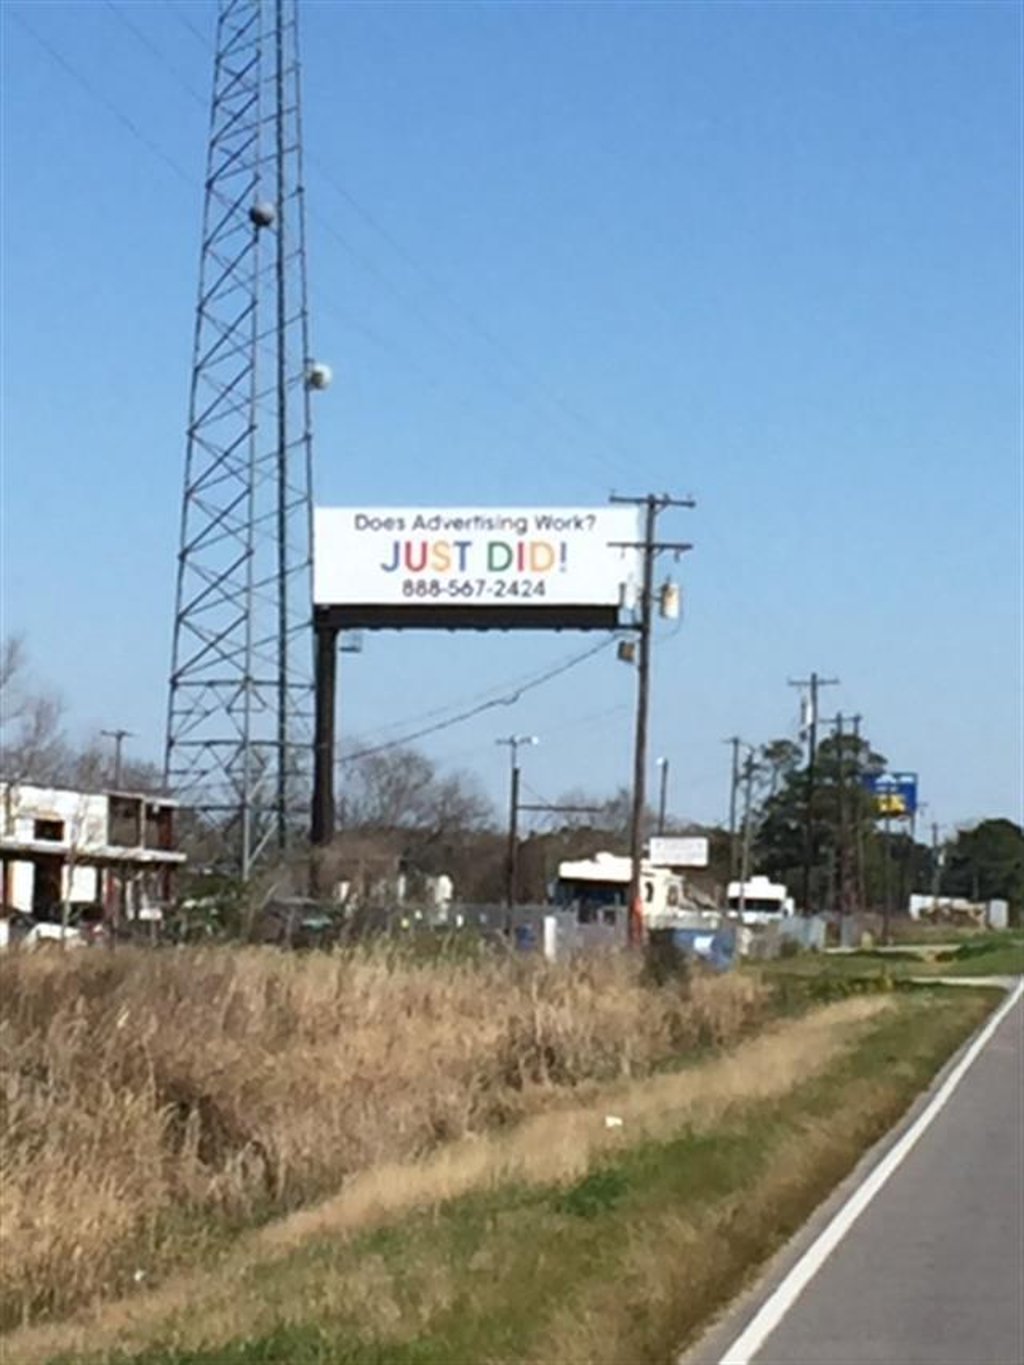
473 556
679 852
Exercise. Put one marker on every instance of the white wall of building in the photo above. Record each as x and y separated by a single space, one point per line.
78 884
83 815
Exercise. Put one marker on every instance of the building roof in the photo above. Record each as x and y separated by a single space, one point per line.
152 798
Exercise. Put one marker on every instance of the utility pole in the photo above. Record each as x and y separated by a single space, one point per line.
936 869
748 791
513 743
887 876
735 741
650 547
663 797
118 736
554 808
859 886
814 683
843 841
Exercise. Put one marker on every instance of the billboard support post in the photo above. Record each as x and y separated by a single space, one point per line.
326 682
895 794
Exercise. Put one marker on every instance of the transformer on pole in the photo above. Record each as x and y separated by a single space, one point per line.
240 712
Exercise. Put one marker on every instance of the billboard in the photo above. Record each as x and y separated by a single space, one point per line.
471 565
679 852
895 793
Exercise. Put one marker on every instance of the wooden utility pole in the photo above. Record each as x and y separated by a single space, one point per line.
650 548
936 869
844 859
887 876
859 886
748 795
513 743
735 741
663 795
812 684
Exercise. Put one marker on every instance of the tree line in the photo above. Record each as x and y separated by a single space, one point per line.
399 810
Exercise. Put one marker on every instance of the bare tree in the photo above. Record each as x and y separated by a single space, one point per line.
32 744
34 747
91 768
608 815
400 789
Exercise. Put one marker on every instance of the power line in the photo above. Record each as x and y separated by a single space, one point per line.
518 681
104 99
155 51
474 324
414 307
509 700
397 292
177 9
579 723
442 288
433 280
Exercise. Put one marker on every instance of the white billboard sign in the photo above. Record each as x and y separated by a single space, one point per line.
676 852
471 556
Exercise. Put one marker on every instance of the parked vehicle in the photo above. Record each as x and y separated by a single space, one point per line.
598 888
85 925
759 901
298 923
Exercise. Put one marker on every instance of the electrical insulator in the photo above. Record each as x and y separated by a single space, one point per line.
627 651
628 595
671 601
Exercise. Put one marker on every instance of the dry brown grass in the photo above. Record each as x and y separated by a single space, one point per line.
193 1309
148 1096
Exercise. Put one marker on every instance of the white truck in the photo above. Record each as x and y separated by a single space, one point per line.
759 901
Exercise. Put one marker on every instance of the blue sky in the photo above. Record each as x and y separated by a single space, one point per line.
766 254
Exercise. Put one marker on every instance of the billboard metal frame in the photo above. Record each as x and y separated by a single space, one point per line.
448 616
329 621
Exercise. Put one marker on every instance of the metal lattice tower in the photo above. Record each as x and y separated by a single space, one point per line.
239 726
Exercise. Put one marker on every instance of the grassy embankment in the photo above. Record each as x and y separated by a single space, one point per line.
981 954
559 1239
156 1104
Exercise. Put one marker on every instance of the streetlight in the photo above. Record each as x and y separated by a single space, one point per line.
513 742
663 764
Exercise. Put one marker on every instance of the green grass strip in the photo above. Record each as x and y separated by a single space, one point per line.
636 1254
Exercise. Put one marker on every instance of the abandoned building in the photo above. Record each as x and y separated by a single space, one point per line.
114 850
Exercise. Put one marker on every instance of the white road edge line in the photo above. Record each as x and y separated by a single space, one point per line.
777 1305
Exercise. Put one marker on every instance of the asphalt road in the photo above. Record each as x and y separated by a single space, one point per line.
932 1271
